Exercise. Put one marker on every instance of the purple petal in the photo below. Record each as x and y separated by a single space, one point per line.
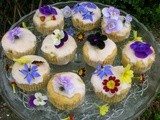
60 45
30 102
140 54
107 70
29 78
35 74
26 67
34 68
65 37
48 10
101 74
148 51
24 72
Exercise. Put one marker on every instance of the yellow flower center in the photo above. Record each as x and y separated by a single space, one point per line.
39 99
80 72
110 84
80 36
58 36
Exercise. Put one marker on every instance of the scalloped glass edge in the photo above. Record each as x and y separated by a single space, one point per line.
137 113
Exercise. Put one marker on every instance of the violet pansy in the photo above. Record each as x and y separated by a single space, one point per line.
59 37
14 34
64 84
30 72
113 26
47 10
141 49
128 18
103 71
97 40
67 12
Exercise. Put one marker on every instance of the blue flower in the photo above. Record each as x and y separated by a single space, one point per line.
14 33
88 15
70 31
90 5
102 71
80 8
30 72
67 12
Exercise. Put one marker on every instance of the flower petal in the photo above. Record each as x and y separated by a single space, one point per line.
29 78
30 102
35 74
24 72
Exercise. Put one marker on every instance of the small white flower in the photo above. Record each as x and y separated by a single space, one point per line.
67 12
40 99
57 36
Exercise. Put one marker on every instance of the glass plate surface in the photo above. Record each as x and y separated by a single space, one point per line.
139 97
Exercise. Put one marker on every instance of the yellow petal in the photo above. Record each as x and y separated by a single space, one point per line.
104 109
22 60
24 25
136 38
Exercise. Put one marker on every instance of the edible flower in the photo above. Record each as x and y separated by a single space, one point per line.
111 85
30 72
14 34
37 100
22 60
113 26
141 49
128 18
102 71
136 38
103 109
59 37
81 72
80 36
70 31
79 8
97 40
111 13
13 84
126 75
47 10
90 5
67 12
88 15
70 117
64 84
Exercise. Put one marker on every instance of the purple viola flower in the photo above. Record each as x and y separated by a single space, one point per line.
64 84
90 5
111 12
88 15
80 8
141 49
30 72
128 18
63 40
47 10
14 34
67 12
102 71
113 25
97 40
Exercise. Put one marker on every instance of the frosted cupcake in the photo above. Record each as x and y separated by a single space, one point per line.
18 42
66 90
59 47
31 72
140 55
112 84
115 26
98 49
48 18
86 16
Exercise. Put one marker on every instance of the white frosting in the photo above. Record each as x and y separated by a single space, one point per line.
26 41
42 70
98 86
99 55
49 48
48 22
126 27
96 16
133 59
79 86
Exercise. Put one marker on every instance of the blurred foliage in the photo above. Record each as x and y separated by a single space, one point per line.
146 11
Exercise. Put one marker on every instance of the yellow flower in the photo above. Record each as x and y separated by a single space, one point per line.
103 109
126 75
22 60
136 38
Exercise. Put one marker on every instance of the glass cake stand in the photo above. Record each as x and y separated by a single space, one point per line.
139 97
